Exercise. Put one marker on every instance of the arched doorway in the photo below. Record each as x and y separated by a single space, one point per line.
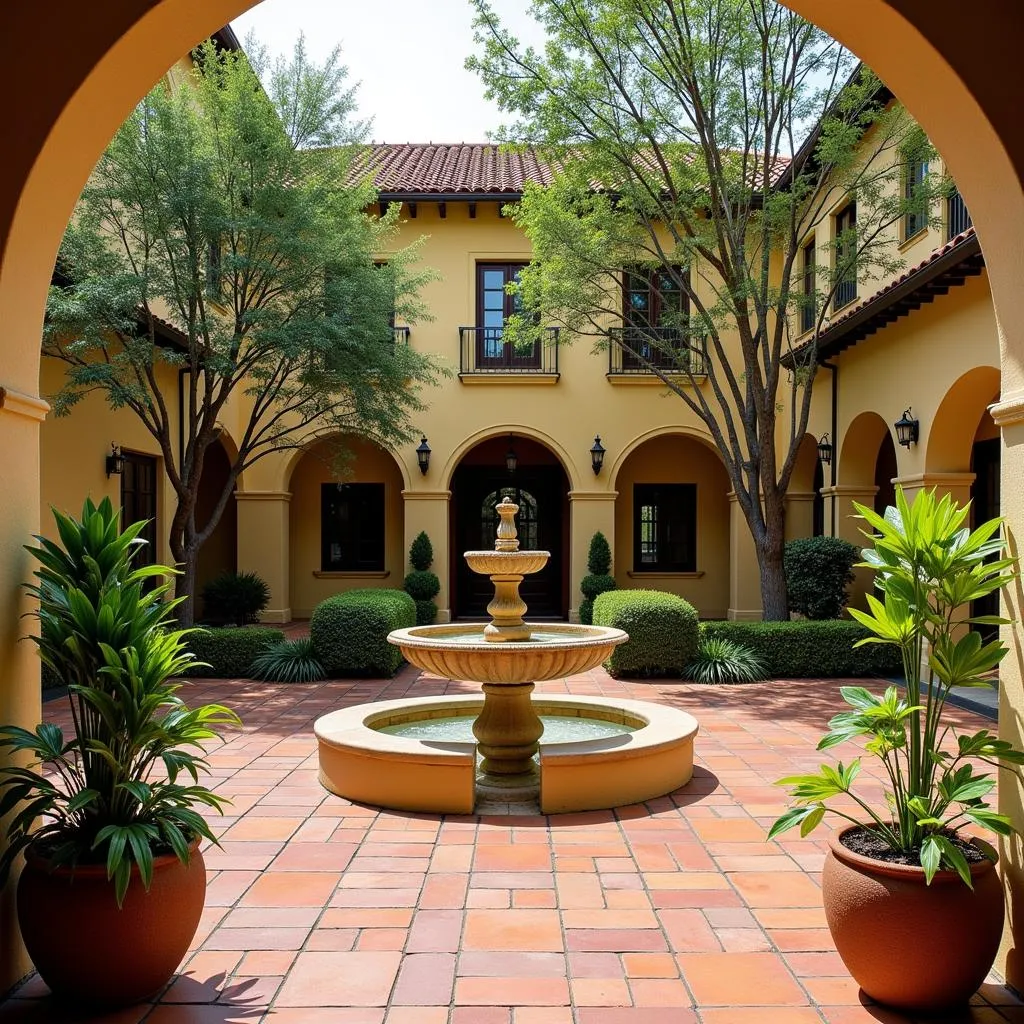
219 553
346 521
531 475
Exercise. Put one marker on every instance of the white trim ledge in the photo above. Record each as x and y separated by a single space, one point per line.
1008 411
17 403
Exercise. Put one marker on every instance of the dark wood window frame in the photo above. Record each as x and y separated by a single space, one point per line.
915 172
649 319
846 287
140 477
808 309
352 527
492 350
664 528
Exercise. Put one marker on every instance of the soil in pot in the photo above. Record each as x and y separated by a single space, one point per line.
908 944
87 949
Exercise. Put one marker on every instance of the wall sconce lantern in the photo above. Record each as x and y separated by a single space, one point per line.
511 459
423 456
906 429
597 454
825 449
115 461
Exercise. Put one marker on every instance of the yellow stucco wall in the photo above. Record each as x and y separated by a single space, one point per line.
369 464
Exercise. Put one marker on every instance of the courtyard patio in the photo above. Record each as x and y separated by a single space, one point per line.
677 911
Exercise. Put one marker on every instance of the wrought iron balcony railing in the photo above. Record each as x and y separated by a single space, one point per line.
958 217
401 335
646 349
484 350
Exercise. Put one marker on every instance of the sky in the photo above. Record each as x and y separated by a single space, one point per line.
407 55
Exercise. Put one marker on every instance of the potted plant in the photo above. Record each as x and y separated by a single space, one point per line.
114 883
912 900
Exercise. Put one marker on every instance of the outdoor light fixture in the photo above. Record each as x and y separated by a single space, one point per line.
423 455
511 459
825 449
115 461
906 429
597 454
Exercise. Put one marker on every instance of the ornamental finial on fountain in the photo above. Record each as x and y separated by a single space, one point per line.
507 533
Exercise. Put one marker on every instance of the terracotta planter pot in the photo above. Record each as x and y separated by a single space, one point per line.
907 944
87 949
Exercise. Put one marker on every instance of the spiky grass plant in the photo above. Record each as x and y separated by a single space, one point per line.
290 661
721 661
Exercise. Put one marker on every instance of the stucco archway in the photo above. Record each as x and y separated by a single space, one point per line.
952 431
514 430
958 72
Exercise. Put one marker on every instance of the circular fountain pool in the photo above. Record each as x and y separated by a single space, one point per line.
557 729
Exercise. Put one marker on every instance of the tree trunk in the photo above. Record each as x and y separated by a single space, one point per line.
774 599
188 564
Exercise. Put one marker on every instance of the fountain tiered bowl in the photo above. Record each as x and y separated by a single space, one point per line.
442 754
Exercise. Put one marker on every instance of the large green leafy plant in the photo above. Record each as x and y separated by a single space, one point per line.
112 793
929 567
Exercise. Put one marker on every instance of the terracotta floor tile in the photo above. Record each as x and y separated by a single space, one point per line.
382 938
739 979
425 979
511 991
595 965
267 961
659 992
481 1015
291 889
417 1015
517 857
257 938
435 931
263 828
616 940
533 898
636 1015
542 1015
529 930
650 965
776 888
213 1013
297 856
761 1015
340 979
688 931
600 992
511 965
366 917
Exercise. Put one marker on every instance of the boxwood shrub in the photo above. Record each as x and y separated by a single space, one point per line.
230 652
818 571
349 631
662 628
801 650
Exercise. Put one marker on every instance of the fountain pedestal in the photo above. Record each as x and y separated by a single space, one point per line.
508 731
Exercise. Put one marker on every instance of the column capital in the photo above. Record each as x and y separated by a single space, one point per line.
919 481
409 495
17 403
850 491
1008 410
593 495
263 496
800 495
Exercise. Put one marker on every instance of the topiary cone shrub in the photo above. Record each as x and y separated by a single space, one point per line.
422 586
598 580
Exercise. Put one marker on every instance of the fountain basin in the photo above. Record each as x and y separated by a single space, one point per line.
458 651
504 563
362 763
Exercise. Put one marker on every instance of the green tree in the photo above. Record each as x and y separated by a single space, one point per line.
237 214
675 128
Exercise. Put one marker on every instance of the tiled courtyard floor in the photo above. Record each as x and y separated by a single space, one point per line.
324 912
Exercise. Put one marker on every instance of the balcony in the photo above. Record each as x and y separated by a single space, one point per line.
485 355
400 335
640 351
958 217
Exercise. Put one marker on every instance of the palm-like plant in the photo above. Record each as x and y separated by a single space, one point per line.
111 793
929 567
721 661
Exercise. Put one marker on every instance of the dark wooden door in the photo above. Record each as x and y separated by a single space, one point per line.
493 307
138 501
539 492
985 499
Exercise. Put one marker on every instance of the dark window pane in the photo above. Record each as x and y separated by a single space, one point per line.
352 527
665 527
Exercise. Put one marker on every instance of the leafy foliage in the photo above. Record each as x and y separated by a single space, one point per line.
929 567
689 120
421 551
235 598
724 661
349 631
288 661
421 585
234 218
118 790
229 653
426 613
662 628
818 571
599 555
808 650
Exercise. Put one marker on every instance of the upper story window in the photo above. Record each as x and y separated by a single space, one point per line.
915 174
846 255
494 305
958 217
664 527
352 527
655 317
809 282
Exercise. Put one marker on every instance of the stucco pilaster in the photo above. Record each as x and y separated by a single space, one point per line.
263 546
428 511
589 511
744 574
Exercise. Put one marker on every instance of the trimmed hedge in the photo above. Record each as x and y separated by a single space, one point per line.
230 652
810 649
818 571
662 628
349 631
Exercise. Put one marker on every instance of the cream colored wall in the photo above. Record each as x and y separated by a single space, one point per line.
679 460
370 464
74 449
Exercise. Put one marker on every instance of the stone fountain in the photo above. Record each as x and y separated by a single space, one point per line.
417 753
